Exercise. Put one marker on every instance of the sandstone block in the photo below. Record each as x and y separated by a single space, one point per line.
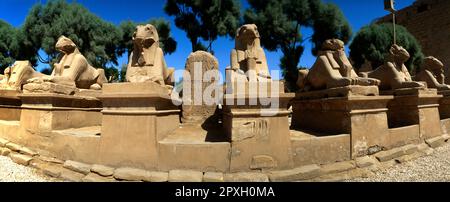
338 167
27 151
102 170
389 155
13 146
185 176
365 161
213 177
435 142
263 162
301 173
92 177
410 149
52 171
154 176
130 174
71 176
3 142
246 177
77 166
5 151
21 159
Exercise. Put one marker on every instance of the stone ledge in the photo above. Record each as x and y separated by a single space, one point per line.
296 174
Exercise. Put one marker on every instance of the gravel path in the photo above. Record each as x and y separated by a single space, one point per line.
433 168
12 172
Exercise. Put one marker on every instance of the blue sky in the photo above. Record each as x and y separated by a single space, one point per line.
358 12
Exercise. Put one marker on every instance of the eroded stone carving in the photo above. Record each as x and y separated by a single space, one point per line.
432 72
146 62
249 55
332 69
393 74
73 69
18 74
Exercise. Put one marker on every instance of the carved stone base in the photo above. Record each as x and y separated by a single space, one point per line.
363 117
48 87
135 117
10 105
259 135
44 112
416 106
444 104
348 91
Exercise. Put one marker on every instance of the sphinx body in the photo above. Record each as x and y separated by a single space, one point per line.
432 72
332 69
146 62
393 74
18 74
73 69
248 55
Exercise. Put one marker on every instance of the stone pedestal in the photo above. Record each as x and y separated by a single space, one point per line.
416 107
10 105
44 112
444 104
135 117
363 117
259 134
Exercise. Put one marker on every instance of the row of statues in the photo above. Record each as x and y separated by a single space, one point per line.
332 68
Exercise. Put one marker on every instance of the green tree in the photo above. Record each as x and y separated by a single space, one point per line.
280 24
372 43
205 20
6 40
167 43
96 39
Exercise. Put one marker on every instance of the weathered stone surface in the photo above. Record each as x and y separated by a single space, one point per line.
52 171
245 177
213 177
77 166
301 173
130 174
263 162
338 167
198 63
185 176
21 159
13 146
92 177
5 151
71 176
435 142
365 161
18 74
389 155
27 151
51 160
332 69
154 176
3 142
48 87
102 170
410 149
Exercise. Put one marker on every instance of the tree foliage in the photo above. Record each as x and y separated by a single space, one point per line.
96 38
167 43
280 23
6 39
205 20
372 43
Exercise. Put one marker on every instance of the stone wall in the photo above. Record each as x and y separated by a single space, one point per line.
429 22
